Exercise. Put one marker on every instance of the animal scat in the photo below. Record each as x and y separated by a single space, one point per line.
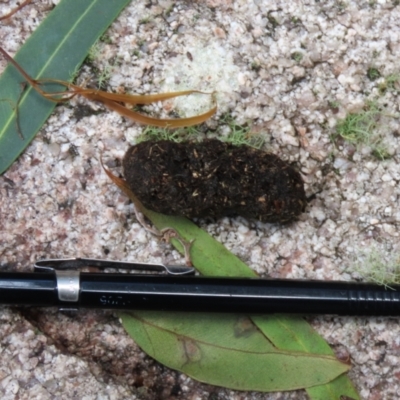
213 178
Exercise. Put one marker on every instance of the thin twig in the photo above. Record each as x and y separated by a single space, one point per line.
12 12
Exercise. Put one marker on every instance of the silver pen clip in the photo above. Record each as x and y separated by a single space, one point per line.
67 271
74 264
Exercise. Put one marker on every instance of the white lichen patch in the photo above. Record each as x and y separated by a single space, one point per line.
207 67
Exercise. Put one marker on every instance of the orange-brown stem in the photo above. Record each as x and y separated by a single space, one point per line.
115 101
12 12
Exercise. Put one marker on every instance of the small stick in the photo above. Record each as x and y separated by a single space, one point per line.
167 233
12 12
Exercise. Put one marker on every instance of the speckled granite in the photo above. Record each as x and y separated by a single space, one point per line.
291 69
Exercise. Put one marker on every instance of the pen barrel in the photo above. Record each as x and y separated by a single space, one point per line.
191 294
251 296
28 288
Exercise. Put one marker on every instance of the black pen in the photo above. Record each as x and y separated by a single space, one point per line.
61 283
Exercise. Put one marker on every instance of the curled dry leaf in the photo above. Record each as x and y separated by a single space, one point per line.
114 101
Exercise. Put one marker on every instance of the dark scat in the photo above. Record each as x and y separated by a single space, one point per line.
216 179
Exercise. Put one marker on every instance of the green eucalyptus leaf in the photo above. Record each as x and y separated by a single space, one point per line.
158 334
296 334
55 50
227 350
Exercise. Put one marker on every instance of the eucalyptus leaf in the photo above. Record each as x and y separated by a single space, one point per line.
284 333
296 334
227 350
55 50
